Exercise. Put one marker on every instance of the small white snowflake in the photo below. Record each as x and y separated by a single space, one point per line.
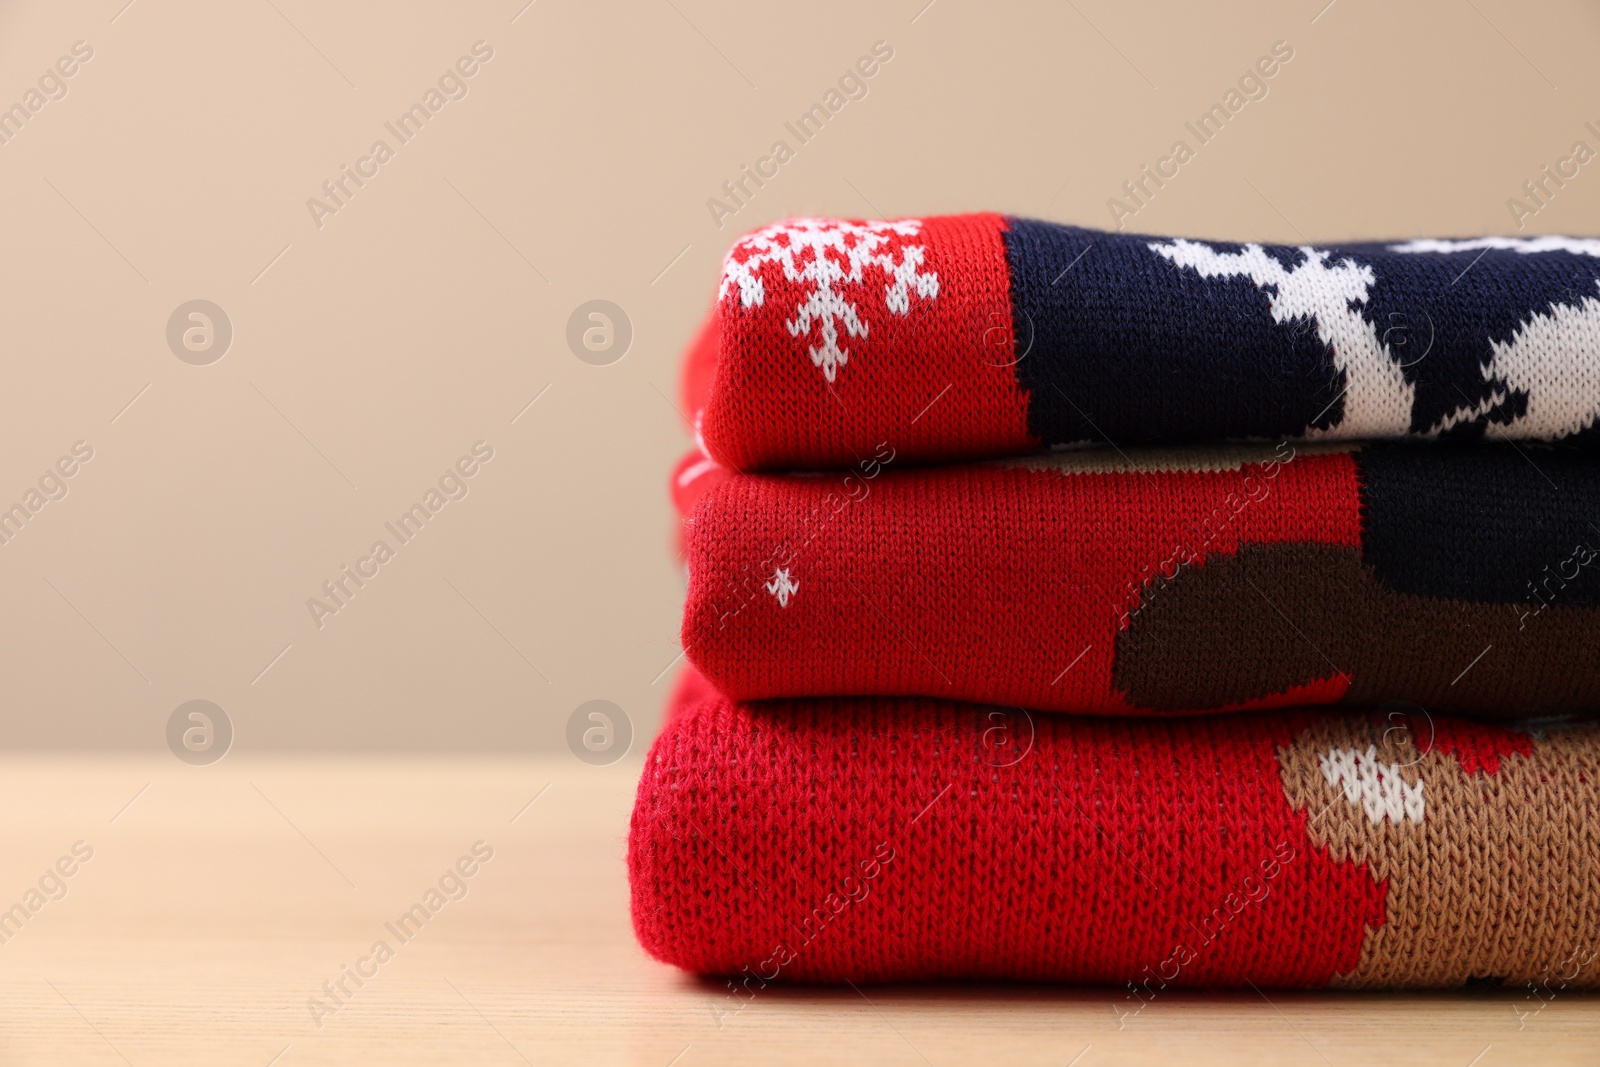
826 254
782 586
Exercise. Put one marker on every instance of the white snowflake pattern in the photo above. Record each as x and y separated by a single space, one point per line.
826 254
782 586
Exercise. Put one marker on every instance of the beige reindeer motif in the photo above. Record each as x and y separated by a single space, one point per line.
1492 872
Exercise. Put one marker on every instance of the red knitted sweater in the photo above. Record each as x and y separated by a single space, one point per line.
888 839
1459 578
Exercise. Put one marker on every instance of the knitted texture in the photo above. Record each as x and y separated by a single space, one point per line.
1462 578
902 839
977 335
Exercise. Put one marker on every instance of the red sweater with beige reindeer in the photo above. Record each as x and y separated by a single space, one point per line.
885 839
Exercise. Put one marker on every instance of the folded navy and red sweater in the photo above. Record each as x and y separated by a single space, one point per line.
1063 707
980 335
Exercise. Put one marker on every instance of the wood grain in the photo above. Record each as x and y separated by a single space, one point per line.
218 902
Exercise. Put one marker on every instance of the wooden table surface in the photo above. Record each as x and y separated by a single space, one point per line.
219 900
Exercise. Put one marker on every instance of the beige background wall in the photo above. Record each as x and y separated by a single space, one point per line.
371 352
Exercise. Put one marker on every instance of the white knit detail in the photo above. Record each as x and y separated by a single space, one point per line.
1377 397
840 253
782 586
1554 358
1578 246
1377 786
1470 413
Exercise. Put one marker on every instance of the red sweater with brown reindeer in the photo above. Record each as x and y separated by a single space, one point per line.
888 839
1460 578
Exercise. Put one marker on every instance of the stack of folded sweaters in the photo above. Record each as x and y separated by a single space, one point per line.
1077 606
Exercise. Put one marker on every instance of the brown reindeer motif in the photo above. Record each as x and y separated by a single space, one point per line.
1479 833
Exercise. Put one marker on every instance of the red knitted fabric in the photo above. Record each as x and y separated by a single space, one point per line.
1460 579
770 404
889 839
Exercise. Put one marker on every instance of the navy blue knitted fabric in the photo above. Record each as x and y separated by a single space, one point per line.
1152 339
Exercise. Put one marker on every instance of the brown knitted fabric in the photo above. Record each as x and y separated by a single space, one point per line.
1501 873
